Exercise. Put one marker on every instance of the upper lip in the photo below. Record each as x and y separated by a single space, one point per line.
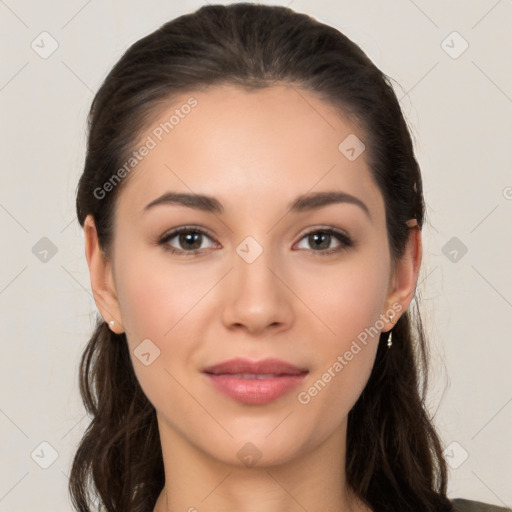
262 367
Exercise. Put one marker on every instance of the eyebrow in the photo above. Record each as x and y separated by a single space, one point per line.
302 203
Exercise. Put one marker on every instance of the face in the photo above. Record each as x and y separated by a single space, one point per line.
260 276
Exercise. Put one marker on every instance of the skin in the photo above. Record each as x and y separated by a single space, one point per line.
255 151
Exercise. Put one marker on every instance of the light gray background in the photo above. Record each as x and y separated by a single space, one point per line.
459 110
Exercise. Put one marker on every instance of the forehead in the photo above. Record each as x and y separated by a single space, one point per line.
245 145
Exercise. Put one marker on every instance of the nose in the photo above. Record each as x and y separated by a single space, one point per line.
256 297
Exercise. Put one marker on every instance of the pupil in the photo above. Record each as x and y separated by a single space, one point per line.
317 236
186 238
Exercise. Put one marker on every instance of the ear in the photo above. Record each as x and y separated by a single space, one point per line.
102 279
405 275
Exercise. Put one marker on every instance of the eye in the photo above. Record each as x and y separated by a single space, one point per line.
321 239
189 240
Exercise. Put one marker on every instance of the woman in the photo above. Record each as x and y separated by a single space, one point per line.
252 210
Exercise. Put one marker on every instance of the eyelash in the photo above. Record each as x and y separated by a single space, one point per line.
346 241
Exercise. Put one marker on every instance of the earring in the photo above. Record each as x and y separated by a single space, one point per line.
390 337
111 323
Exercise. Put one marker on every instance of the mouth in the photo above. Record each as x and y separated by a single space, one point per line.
253 382
242 366
260 376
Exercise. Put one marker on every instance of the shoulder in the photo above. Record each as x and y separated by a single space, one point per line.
461 505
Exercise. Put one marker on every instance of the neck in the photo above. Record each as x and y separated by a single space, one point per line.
314 480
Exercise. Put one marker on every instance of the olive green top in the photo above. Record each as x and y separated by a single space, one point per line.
461 505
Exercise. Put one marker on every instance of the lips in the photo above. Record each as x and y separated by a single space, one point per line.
255 382
257 369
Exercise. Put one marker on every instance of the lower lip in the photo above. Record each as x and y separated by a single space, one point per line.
255 391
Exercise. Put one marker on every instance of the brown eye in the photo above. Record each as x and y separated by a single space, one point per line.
188 241
320 241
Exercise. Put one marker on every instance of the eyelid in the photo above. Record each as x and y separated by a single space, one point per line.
185 229
319 227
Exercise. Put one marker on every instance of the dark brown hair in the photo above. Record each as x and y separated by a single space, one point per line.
394 458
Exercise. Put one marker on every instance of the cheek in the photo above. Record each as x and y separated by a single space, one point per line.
344 360
345 304
157 296
344 299
165 303
332 392
158 301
